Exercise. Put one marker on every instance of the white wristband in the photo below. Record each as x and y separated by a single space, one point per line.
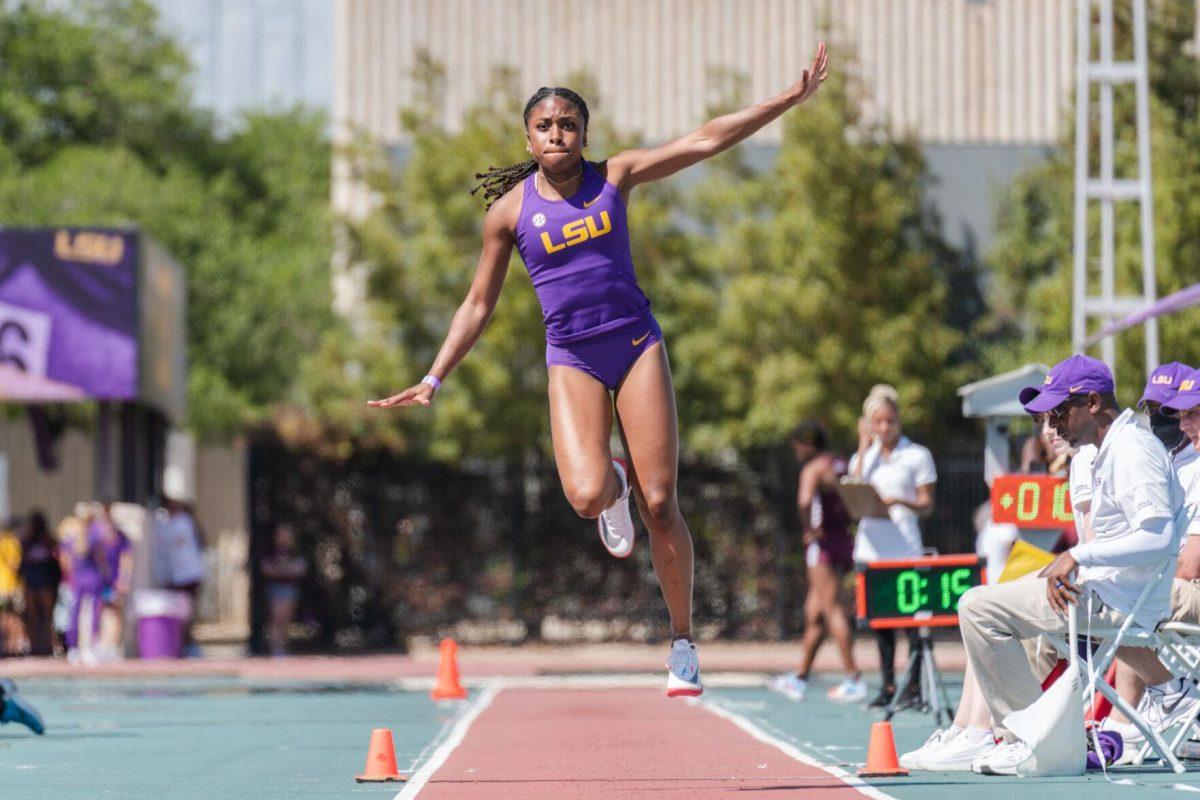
433 381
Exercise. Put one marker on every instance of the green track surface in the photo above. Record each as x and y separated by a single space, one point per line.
231 738
837 735
210 738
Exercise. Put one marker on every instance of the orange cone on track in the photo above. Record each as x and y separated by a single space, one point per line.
447 686
381 760
881 754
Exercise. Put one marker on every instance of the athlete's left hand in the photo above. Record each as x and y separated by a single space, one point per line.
812 78
419 395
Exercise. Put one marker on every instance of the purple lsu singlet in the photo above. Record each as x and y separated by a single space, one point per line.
577 254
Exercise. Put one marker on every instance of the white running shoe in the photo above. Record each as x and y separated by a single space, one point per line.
1165 710
1004 759
956 754
912 759
850 690
1161 710
615 523
683 670
791 686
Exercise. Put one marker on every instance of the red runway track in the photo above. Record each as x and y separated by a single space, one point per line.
534 743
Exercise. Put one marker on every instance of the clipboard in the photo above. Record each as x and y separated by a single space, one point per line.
861 500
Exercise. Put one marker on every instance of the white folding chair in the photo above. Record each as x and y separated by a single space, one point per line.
1179 651
1126 634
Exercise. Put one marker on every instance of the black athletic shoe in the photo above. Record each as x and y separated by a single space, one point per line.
883 698
911 698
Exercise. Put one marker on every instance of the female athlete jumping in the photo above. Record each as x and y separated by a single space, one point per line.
566 217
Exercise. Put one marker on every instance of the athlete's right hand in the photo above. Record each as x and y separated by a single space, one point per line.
419 395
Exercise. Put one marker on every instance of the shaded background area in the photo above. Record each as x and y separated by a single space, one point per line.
402 548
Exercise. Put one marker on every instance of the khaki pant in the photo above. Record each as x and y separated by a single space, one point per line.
996 620
1185 601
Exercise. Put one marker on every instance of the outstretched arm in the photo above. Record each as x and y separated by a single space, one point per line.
473 315
632 167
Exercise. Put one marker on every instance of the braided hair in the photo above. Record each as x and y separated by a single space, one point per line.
496 182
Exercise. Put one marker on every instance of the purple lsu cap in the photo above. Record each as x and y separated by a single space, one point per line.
1078 374
1188 395
1164 383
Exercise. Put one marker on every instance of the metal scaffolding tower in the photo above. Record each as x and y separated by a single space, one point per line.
1107 190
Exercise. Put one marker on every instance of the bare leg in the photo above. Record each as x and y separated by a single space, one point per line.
1130 686
838 627
973 710
650 432
282 613
580 426
814 631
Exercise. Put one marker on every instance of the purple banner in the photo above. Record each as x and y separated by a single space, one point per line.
68 315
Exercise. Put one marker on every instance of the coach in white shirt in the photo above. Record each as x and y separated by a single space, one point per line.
903 475
1137 518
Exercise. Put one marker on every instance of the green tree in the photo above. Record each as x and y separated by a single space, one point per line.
811 282
1033 260
98 129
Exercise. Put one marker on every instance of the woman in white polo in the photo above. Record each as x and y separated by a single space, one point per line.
903 475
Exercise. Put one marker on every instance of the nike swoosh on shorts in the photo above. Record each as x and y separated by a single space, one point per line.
640 339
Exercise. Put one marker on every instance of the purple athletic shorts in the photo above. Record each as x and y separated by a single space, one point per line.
610 355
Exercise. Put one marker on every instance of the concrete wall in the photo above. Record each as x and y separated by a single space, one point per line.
961 71
54 492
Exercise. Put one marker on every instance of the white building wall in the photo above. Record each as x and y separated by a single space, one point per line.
950 71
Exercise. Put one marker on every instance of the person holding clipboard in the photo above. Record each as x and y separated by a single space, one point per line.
900 478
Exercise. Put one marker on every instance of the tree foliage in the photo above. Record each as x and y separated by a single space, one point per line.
1033 259
97 128
813 281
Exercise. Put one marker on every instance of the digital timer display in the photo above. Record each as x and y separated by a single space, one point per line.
916 592
1032 501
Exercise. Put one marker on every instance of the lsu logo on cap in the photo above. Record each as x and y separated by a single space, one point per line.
1187 386
1047 381
1162 380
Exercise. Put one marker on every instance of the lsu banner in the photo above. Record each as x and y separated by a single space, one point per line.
68 315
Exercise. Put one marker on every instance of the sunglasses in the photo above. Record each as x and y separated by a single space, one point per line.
1061 410
1187 413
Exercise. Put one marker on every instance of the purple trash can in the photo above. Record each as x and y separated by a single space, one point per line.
161 615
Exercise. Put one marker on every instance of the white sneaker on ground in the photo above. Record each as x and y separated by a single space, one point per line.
911 759
1004 759
791 686
957 754
615 523
850 690
683 670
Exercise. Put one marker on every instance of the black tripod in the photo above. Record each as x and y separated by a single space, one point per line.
933 690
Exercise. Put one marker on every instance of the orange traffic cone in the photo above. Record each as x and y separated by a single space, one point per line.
881 754
381 760
447 686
